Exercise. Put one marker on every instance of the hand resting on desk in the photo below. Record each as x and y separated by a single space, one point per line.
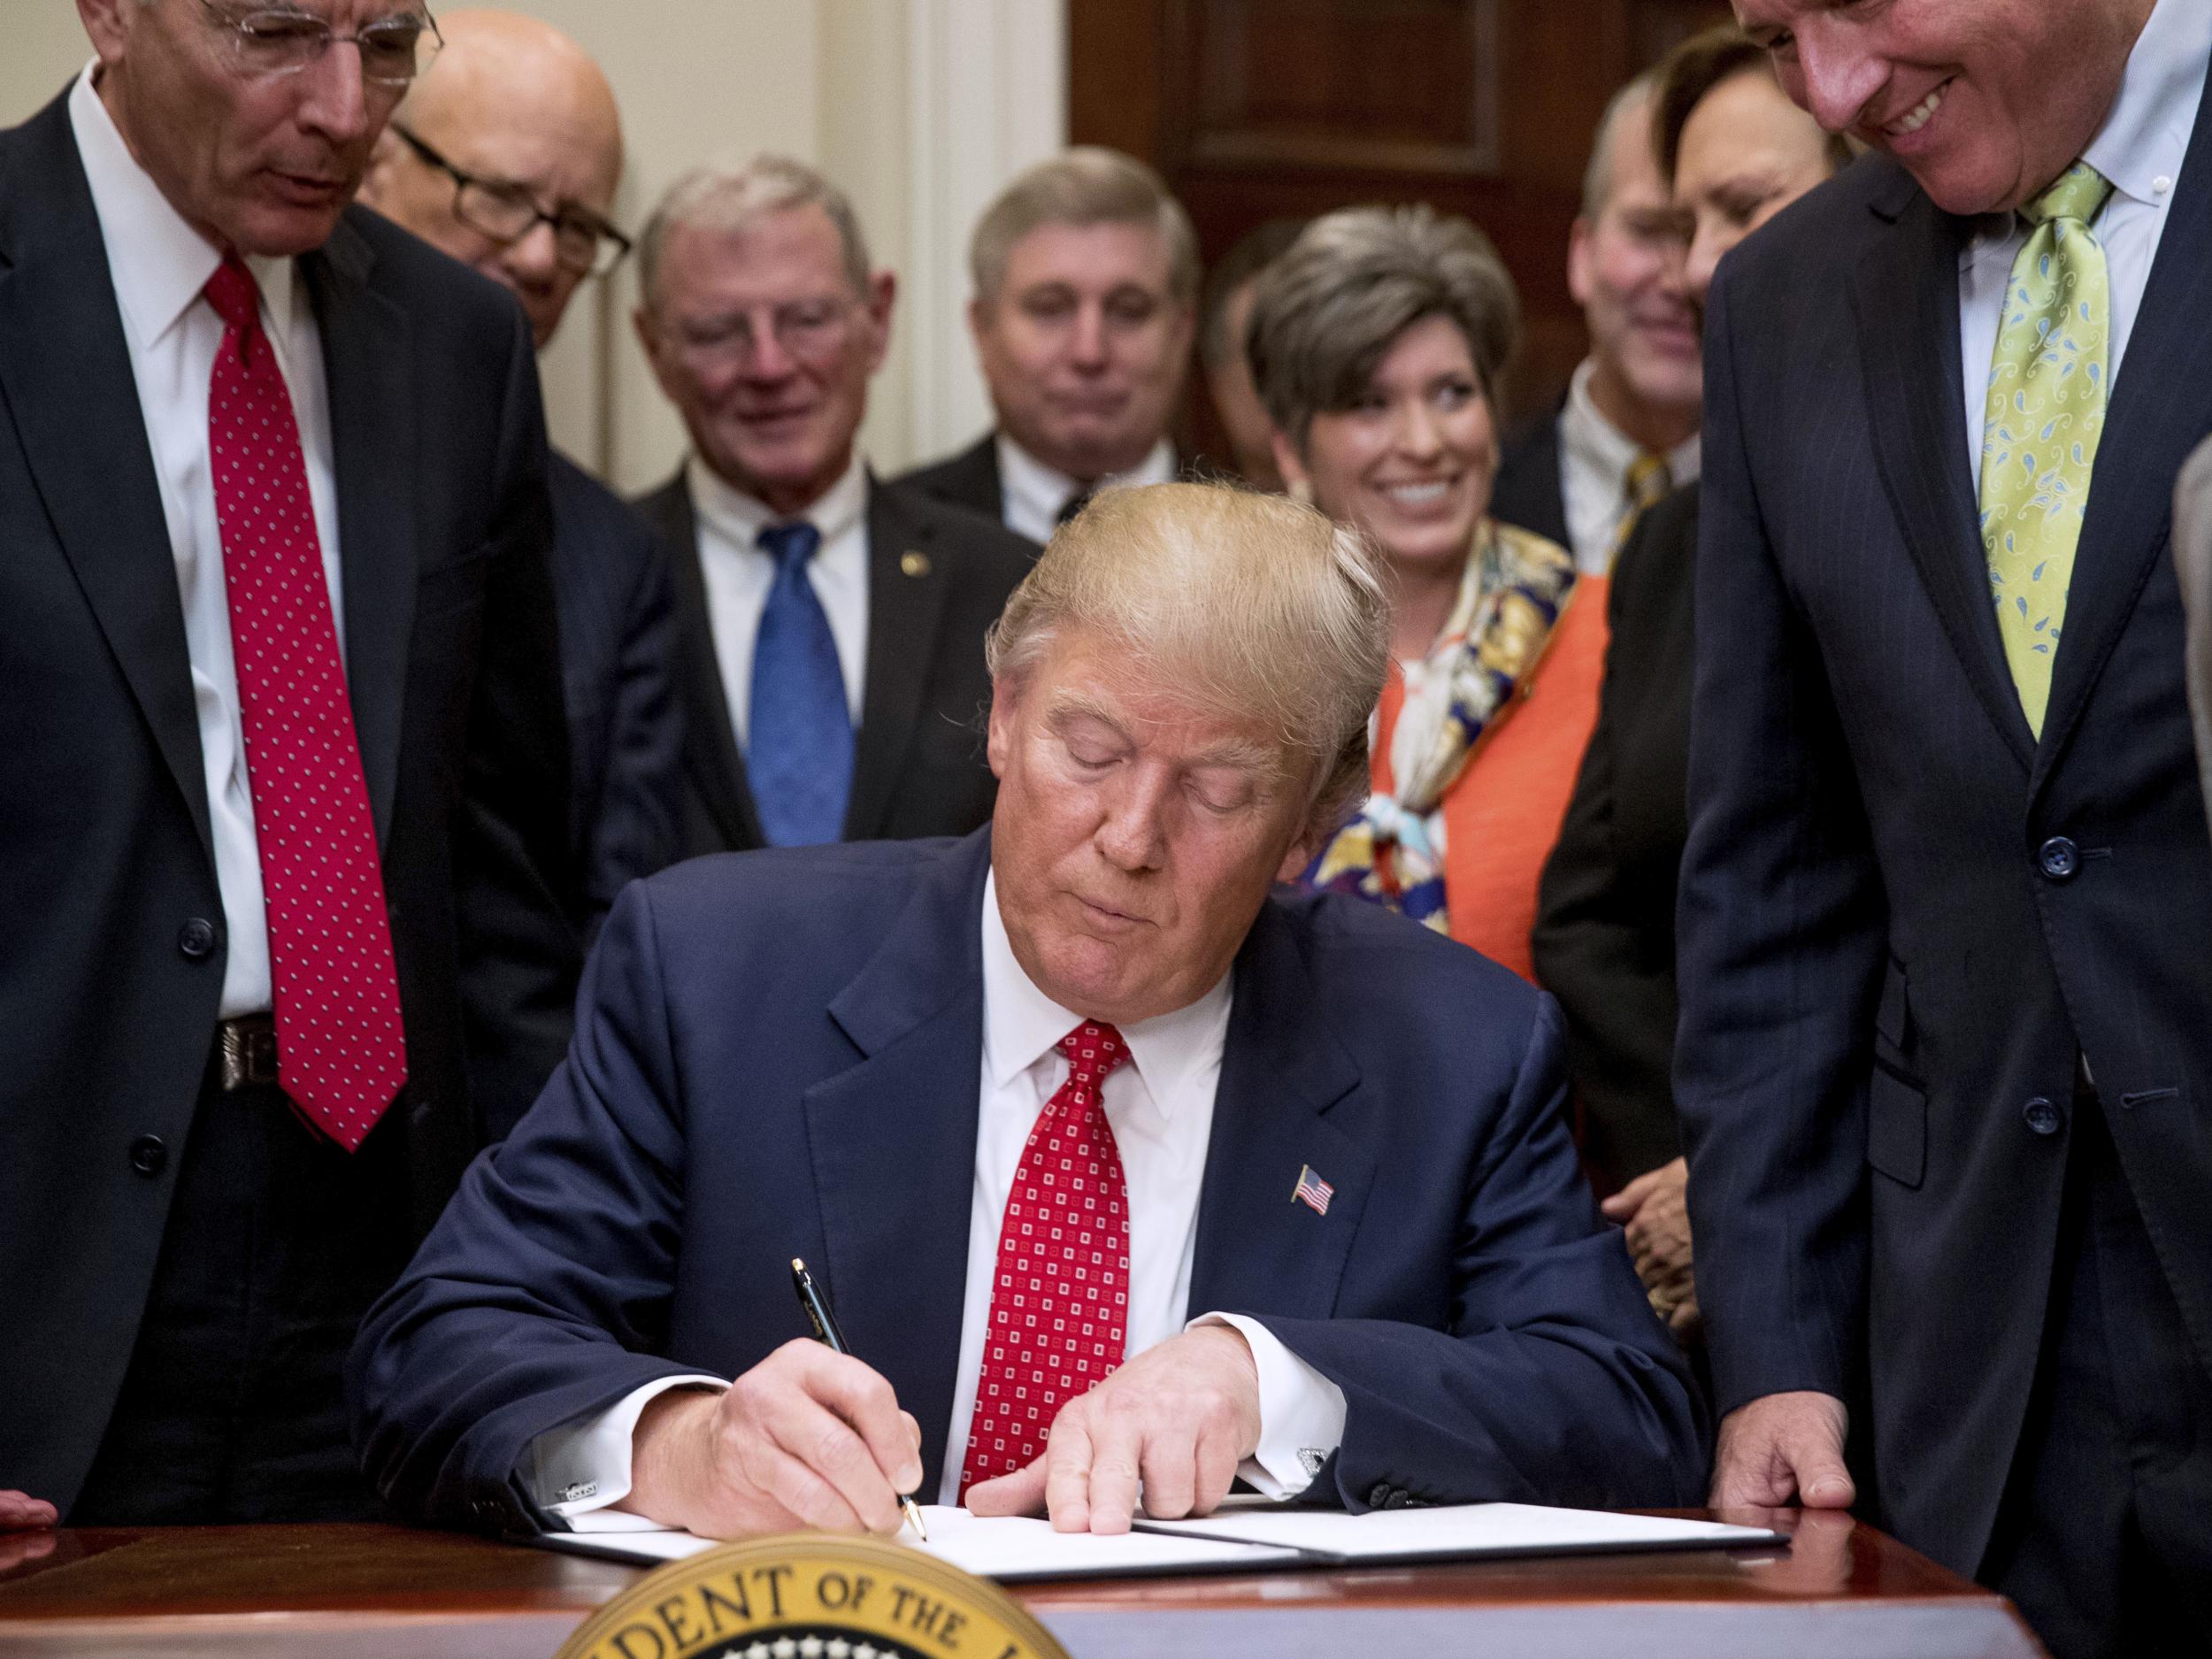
807 1439
1181 1417
19 1510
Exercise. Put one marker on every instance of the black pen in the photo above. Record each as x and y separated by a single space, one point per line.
817 1310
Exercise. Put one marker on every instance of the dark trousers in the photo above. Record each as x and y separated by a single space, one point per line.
2104 1540
231 1409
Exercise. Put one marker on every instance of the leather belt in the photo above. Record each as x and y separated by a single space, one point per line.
247 1051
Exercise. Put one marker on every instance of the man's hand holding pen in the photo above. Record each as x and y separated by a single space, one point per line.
806 1439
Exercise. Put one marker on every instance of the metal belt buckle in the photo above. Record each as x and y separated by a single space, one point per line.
250 1051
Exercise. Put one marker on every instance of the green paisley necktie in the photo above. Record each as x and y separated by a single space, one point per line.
2048 381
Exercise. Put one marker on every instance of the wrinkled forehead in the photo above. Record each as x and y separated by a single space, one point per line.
1162 708
1090 257
777 256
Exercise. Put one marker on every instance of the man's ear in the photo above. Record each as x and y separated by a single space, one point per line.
883 293
998 733
1578 283
108 22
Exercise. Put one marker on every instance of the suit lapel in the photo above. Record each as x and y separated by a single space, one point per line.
368 357
65 379
2161 407
1905 298
711 755
906 599
1259 1250
893 1139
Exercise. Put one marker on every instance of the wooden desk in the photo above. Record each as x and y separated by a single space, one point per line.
354 1591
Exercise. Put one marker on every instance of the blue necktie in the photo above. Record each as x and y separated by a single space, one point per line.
799 756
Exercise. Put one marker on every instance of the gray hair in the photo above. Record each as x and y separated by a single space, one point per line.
1327 311
1088 185
1249 605
730 198
1597 176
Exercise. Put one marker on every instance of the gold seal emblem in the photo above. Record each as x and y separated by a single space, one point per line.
811 1596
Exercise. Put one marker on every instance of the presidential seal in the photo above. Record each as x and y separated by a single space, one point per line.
811 1596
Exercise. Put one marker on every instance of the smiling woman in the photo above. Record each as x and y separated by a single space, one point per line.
1375 342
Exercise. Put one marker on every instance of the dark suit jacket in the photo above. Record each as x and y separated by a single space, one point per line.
1528 490
106 1021
1604 938
1485 1326
618 682
918 762
968 479
1903 919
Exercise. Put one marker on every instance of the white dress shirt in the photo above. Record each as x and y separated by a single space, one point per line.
1033 494
1161 1106
2140 149
159 265
1594 455
739 573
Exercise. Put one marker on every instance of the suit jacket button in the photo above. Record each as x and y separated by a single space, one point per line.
2043 1117
196 940
149 1154
2058 858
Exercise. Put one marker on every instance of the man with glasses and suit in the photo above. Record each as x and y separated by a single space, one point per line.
280 826
506 154
833 624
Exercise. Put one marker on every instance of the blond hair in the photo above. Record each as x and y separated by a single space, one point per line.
1088 185
1251 606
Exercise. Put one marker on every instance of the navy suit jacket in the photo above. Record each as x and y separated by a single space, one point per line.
1904 919
618 680
732 1102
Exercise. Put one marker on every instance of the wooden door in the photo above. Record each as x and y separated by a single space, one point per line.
1256 110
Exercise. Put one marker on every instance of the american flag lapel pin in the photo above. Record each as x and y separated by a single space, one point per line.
1313 1191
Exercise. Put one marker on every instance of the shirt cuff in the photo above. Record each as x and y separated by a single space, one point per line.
584 1466
1301 1412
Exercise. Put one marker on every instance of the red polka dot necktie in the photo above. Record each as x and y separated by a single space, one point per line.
341 1055
1060 1298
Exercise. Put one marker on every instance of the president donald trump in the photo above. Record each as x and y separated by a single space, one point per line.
1127 1173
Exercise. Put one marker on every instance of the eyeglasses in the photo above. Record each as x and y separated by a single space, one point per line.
583 243
282 41
811 330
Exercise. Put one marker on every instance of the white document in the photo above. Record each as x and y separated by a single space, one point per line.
1467 1531
1007 1548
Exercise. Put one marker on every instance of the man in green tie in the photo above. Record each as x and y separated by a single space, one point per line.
1942 1065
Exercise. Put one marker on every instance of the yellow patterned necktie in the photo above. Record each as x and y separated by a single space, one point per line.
1650 481
2048 382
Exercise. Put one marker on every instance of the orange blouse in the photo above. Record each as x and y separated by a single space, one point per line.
1503 814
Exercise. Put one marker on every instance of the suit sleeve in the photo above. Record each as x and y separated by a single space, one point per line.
1780 934
1594 952
1554 1384
640 801
512 860
537 1298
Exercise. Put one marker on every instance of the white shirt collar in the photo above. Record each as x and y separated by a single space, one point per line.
2146 137
1603 446
170 262
1021 1024
740 518
1028 483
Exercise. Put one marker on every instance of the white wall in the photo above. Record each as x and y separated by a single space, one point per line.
921 109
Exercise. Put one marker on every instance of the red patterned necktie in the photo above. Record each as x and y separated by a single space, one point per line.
1060 1298
341 1055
